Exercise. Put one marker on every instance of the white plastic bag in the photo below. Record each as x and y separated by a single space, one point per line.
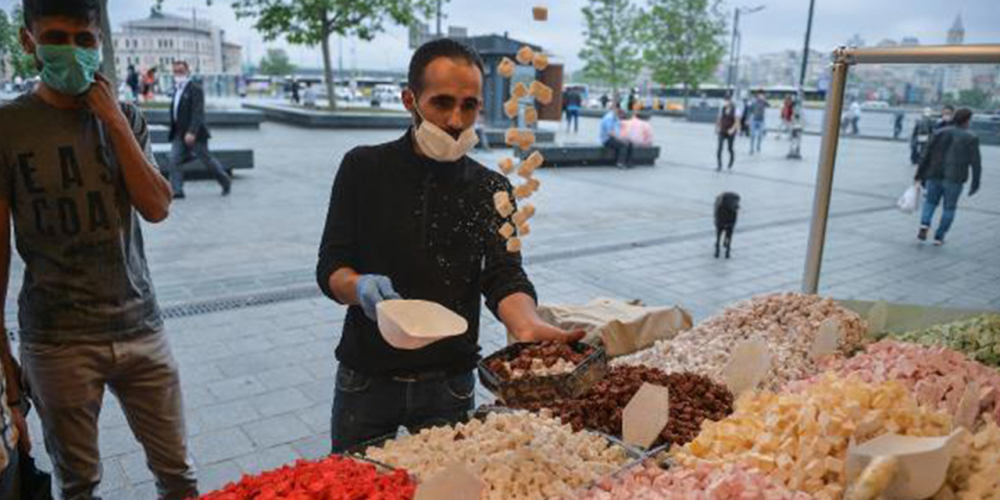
910 201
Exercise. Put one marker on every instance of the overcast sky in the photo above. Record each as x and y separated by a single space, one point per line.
781 25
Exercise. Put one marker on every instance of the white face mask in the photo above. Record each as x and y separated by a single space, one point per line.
440 145
179 81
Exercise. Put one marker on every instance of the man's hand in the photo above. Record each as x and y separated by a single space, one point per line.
541 332
189 139
101 100
21 424
974 189
372 289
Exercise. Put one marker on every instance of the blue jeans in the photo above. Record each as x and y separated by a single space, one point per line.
937 189
366 407
756 134
573 119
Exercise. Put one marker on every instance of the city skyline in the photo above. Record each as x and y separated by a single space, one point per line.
780 27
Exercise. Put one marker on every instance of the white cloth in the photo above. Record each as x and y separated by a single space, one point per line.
178 92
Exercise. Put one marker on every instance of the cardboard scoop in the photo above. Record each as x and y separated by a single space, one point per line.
413 324
922 462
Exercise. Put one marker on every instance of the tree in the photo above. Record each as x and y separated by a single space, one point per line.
276 63
974 98
682 41
21 63
312 22
610 49
8 35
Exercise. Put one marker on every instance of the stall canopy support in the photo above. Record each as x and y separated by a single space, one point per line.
843 58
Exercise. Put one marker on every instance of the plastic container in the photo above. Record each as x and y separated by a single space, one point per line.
414 324
531 389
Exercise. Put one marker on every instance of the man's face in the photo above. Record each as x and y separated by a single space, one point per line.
946 115
452 95
58 30
180 70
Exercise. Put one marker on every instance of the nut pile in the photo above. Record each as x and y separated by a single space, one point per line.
702 482
543 359
801 439
937 377
975 471
518 455
979 337
788 322
693 399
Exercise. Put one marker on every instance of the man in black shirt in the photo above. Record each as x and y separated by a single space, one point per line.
414 218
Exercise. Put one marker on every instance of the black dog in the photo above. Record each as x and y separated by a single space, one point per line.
727 205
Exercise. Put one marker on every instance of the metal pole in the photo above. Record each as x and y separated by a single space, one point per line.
795 150
927 54
824 175
805 49
732 48
439 18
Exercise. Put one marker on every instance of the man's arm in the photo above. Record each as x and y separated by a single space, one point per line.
977 166
519 313
925 159
336 272
197 108
148 191
9 368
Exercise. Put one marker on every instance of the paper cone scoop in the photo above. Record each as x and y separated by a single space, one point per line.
413 324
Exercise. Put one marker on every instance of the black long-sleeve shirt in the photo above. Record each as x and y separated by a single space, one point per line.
433 230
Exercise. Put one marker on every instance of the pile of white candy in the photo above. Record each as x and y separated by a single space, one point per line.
518 455
788 322
517 228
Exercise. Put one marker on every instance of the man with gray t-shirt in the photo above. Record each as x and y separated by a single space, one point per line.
76 172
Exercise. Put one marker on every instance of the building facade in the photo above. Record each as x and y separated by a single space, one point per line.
160 39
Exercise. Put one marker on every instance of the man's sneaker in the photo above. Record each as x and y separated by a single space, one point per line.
922 234
227 189
938 242
178 196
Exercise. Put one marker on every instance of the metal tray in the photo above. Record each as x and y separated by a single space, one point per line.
531 389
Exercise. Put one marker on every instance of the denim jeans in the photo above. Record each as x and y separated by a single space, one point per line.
180 154
756 134
366 407
937 189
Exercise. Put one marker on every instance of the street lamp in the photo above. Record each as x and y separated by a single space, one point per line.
794 152
734 49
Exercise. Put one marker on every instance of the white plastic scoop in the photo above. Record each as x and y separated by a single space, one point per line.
413 324
922 462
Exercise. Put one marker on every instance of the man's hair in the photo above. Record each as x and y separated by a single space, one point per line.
442 47
83 10
948 107
962 117
182 62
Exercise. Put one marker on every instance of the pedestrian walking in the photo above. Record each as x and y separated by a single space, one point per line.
726 127
88 319
188 133
787 112
944 169
855 117
132 81
922 131
441 199
947 115
897 124
757 111
149 85
573 101
744 113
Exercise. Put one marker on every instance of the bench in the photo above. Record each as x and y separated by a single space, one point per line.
214 118
159 134
565 155
231 159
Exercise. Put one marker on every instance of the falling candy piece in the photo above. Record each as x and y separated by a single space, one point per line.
529 165
541 92
514 245
506 67
524 213
510 108
534 184
540 13
512 136
507 230
525 55
506 165
541 61
523 230
501 200
530 115
519 90
523 191
526 139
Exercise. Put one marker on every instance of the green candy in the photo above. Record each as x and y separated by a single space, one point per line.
978 337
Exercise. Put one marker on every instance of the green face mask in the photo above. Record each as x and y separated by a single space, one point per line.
68 69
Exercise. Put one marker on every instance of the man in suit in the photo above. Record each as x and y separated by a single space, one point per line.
944 169
188 133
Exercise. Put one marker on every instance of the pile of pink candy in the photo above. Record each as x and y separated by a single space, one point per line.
704 482
937 377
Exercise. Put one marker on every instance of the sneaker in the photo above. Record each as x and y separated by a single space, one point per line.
922 234
938 242
179 196
227 188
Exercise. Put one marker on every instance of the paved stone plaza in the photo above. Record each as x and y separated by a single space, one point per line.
258 380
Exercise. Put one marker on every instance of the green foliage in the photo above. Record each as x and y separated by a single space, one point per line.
21 64
611 51
682 40
276 63
975 98
310 22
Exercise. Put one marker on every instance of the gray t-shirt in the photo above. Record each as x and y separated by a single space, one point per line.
85 277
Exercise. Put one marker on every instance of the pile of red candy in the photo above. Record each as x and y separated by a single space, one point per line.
332 478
